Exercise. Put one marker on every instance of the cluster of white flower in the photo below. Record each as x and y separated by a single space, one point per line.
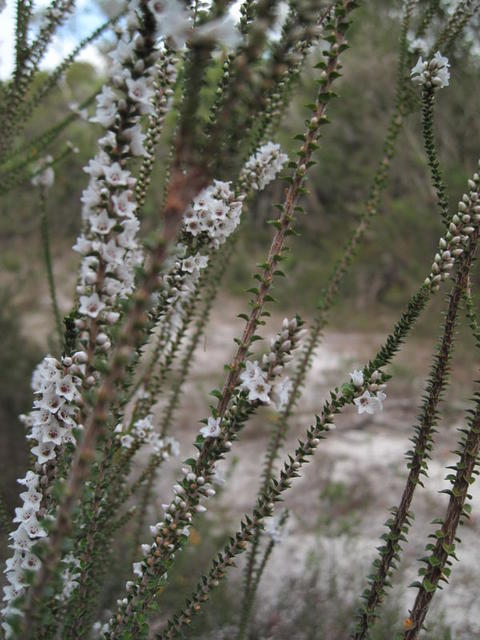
51 422
462 226
262 383
282 347
108 243
23 538
143 432
254 380
214 214
178 285
70 576
263 166
175 23
211 218
204 488
55 411
432 73
372 397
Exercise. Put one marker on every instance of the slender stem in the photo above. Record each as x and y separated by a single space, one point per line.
47 256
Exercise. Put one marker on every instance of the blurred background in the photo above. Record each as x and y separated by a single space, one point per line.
337 509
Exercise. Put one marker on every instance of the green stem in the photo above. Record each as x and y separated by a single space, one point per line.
47 256
428 104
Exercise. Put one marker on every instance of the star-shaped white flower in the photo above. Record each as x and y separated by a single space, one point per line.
212 428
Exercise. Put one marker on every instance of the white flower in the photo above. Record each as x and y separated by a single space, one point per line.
212 428
44 452
122 52
274 530
112 253
380 397
222 30
254 381
31 562
109 140
418 71
434 72
357 377
30 480
441 77
50 401
106 108
141 92
101 224
31 498
33 528
368 403
115 175
173 20
91 305
44 178
252 371
82 246
281 393
124 206
195 263
259 390
263 166
136 139
126 441
20 539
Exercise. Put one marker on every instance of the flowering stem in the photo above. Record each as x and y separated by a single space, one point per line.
165 80
184 187
237 83
148 476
